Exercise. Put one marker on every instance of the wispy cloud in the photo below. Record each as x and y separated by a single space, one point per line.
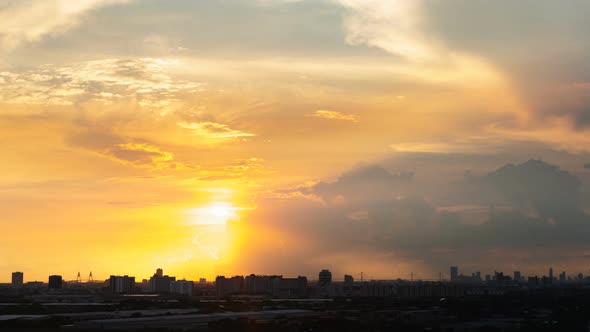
29 20
214 130
144 81
129 151
333 115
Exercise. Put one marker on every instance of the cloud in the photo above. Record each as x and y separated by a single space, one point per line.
139 154
29 20
239 168
533 208
333 115
213 130
144 81
128 151
550 192
506 35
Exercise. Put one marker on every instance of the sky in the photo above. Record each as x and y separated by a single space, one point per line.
223 137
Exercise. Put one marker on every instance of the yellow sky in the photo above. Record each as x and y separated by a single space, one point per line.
130 142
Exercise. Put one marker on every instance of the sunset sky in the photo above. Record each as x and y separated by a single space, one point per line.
215 137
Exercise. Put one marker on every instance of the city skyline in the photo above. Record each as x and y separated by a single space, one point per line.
390 137
454 274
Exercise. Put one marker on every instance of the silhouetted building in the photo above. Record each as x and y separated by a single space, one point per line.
259 284
159 272
551 275
202 281
55 282
289 287
34 285
122 284
182 287
160 284
517 276
229 286
325 278
348 279
454 273
562 277
17 279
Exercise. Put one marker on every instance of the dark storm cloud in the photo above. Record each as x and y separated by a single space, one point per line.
551 192
371 183
528 205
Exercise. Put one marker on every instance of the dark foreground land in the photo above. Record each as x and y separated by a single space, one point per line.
539 310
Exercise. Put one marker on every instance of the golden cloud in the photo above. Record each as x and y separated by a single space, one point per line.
213 130
333 115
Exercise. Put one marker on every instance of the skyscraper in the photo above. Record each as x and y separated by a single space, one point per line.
325 278
17 279
517 276
551 275
454 273
159 272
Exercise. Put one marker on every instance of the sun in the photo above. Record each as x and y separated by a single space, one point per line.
221 211
218 213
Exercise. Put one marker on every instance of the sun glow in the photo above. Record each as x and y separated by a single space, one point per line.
213 214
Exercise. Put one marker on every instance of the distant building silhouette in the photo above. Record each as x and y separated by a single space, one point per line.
348 279
229 286
159 272
325 278
122 284
55 282
289 287
17 279
182 287
454 273
254 284
161 284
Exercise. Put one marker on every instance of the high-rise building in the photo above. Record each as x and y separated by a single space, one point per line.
517 276
182 287
290 287
229 286
159 272
348 279
325 278
122 284
17 279
55 282
160 284
259 284
454 273
551 274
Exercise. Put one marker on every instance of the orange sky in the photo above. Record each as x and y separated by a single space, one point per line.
145 134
